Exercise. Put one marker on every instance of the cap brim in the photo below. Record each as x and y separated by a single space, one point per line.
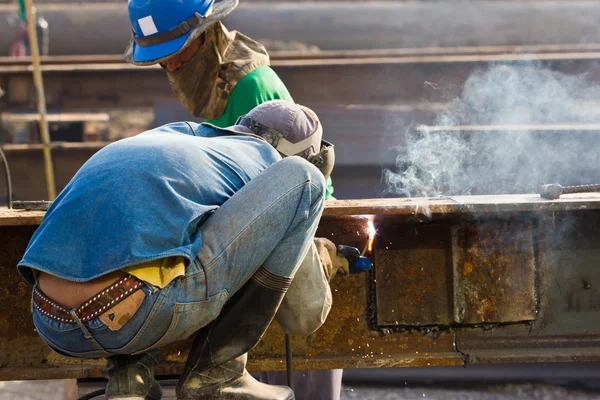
158 53
234 129
241 128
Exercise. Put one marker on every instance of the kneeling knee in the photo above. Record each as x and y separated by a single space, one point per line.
302 169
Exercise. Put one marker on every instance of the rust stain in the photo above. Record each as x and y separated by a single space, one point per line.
446 275
467 268
413 281
494 272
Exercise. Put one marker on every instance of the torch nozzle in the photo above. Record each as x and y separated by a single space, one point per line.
357 262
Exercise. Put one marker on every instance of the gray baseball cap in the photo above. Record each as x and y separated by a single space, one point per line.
291 128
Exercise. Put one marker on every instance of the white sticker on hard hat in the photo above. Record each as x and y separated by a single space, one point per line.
147 25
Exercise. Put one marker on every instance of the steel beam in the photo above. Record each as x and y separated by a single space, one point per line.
479 279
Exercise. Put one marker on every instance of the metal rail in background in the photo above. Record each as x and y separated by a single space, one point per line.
336 54
334 80
456 281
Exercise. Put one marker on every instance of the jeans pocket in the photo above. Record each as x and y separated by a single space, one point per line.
54 325
190 317
49 336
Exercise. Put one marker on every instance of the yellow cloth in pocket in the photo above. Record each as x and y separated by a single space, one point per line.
159 272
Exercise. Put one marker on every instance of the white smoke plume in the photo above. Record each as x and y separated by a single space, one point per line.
527 148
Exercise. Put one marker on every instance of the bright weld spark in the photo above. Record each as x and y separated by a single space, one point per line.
371 230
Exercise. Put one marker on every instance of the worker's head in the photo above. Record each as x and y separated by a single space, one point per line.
293 130
176 61
169 32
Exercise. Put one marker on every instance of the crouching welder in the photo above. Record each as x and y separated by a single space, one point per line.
188 229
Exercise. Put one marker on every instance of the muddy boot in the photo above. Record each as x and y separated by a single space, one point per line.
131 377
232 381
215 368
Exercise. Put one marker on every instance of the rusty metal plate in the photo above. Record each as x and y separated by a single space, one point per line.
494 273
465 274
413 276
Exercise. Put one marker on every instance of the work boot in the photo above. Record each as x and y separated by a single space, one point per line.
215 368
131 377
231 381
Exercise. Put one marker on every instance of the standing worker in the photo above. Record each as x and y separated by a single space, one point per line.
20 46
219 76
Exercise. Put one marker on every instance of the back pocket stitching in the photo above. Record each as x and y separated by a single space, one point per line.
175 320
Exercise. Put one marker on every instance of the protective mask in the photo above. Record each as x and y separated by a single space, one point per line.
197 83
204 83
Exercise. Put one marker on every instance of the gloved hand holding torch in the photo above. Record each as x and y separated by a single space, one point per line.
341 258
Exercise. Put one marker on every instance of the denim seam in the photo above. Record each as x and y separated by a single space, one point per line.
86 333
185 277
215 259
316 187
310 209
44 319
58 348
163 294
171 328
175 321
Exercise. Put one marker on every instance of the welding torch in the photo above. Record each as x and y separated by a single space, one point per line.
357 262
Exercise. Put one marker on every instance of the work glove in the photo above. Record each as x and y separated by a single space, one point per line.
330 260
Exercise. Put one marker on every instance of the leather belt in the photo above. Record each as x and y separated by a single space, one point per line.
91 308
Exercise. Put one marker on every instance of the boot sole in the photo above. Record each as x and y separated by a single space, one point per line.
155 387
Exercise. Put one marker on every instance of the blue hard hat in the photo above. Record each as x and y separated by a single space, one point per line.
161 28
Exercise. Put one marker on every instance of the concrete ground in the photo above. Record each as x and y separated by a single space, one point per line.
576 381
500 392
65 390
39 390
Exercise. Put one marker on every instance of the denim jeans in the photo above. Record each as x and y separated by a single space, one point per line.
270 222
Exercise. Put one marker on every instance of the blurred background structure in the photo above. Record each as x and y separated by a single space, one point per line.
373 71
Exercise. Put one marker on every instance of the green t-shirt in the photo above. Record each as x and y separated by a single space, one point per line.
255 88
22 11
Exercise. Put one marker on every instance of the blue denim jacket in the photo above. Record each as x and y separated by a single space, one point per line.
141 199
